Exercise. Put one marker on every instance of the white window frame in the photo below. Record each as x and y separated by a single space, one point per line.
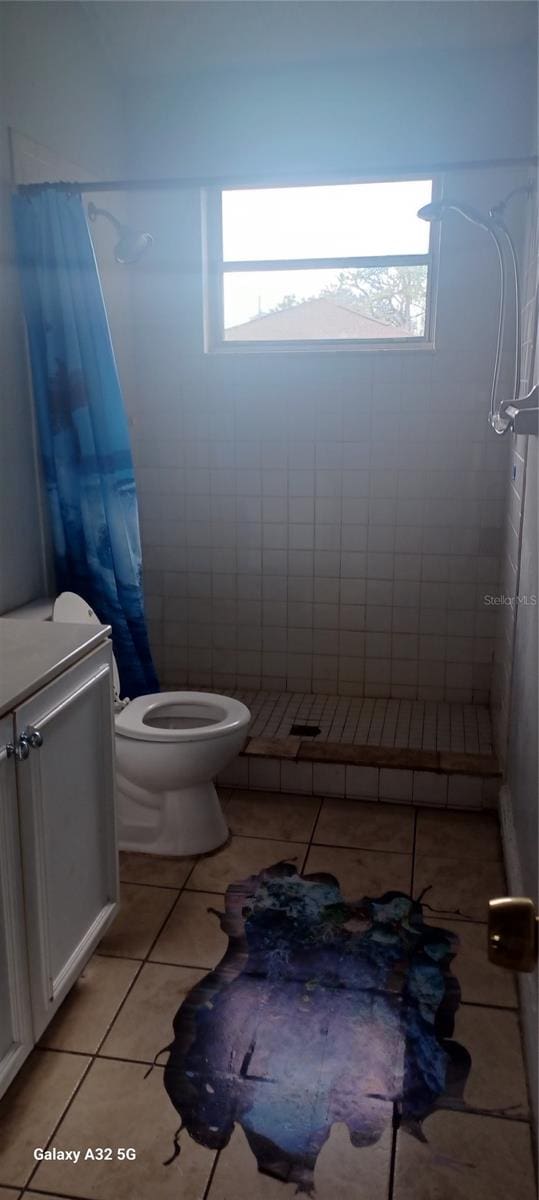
216 268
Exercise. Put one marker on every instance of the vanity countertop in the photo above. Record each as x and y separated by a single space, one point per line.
32 653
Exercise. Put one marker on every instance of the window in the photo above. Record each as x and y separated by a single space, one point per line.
338 265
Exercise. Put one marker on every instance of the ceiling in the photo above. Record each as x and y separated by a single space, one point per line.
149 38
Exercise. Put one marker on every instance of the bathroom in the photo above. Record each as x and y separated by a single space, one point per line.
334 537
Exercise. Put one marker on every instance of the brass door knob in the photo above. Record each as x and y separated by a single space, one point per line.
512 933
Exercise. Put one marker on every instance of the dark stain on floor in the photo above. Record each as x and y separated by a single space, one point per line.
321 1011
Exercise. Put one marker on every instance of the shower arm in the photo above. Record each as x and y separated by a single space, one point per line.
94 212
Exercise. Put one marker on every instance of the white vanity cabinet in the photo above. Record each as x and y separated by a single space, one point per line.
16 1034
67 821
57 846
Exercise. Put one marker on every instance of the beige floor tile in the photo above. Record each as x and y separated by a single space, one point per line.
272 815
361 872
151 868
144 1024
192 935
88 1010
465 1158
342 1172
241 857
457 887
142 912
480 981
497 1079
32 1106
117 1107
458 835
369 826
10 1194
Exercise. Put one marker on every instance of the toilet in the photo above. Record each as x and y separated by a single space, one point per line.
170 746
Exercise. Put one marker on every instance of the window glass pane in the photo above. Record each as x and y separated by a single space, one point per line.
337 221
370 302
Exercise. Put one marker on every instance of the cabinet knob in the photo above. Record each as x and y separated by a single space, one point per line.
29 739
21 749
32 736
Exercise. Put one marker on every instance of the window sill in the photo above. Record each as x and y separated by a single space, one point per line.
397 346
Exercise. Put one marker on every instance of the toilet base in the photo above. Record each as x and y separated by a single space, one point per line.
187 821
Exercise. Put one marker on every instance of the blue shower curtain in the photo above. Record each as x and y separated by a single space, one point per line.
83 430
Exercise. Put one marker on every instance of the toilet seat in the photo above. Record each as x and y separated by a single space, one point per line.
202 716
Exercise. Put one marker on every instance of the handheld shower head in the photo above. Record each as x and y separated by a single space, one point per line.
131 244
431 212
437 210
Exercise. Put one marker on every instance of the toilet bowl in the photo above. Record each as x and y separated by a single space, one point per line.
170 746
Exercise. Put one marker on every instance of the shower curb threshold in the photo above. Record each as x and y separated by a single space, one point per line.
392 757
437 779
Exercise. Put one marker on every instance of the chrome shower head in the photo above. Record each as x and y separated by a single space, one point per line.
131 243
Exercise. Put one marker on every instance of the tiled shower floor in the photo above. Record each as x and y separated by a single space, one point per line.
88 1083
414 724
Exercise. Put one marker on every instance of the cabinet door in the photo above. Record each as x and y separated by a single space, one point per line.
68 829
15 1017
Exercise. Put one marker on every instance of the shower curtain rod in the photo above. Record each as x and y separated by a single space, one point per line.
285 180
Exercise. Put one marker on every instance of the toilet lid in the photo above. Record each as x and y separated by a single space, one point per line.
181 717
73 610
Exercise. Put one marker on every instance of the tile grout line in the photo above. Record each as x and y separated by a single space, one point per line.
261 837
476 1111
136 1062
162 887
496 1007
313 831
395 1123
211 1176
63 1114
414 843
354 846
61 1195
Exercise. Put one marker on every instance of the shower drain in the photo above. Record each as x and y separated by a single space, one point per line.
305 730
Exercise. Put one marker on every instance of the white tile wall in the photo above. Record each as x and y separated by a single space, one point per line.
430 788
396 784
319 523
